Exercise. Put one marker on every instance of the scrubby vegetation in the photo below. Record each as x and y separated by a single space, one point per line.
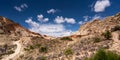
43 49
96 39
66 38
68 51
107 34
105 55
117 27
31 47
38 45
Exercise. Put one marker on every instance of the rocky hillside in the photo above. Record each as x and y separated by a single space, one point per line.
99 26
7 26
18 43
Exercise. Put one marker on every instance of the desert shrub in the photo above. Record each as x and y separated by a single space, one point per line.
107 34
96 39
10 52
31 47
26 49
117 27
103 55
43 49
66 38
68 51
37 45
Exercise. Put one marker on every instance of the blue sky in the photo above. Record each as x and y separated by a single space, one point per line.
57 17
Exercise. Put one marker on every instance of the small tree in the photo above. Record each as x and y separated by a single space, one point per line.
107 34
96 39
43 49
103 55
31 47
68 51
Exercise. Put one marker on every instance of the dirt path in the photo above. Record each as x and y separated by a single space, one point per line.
17 51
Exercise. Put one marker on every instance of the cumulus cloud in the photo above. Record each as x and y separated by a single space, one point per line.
31 23
41 18
70 20
56 30
60 19
100 5
51 11
21 7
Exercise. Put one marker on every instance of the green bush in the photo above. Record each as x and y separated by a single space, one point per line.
31 47
37 45
66 38
107 34
26 49
117 27
68 51
43 49
96 39
10 52
103 55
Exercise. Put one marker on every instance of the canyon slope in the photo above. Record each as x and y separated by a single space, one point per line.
18 43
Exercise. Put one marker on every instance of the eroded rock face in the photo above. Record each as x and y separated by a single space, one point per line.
7 26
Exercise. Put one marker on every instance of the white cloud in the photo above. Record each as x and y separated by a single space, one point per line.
31 23
89 18
52 11
70 20
100 5
21 7
41 18
96 17
86 18
56 30
46 19
18 8
60 19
